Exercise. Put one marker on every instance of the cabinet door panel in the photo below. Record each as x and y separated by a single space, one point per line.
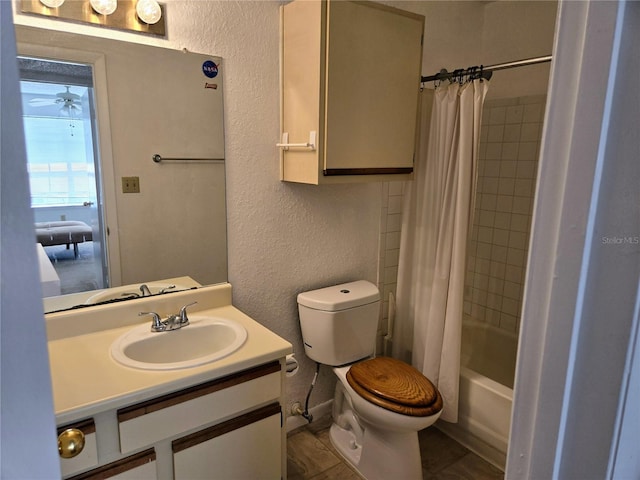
302 84
252 451
373 81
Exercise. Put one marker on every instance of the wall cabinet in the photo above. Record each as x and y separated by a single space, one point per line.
350 78
230 427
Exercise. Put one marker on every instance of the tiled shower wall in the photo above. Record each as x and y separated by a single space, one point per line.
390 224
497 252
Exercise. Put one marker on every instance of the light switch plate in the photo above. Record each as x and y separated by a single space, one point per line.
130 184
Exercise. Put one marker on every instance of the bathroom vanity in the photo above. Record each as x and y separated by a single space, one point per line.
221 419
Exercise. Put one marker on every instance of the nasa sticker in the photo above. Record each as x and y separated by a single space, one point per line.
210 69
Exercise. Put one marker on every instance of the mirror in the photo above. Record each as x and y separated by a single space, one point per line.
150 101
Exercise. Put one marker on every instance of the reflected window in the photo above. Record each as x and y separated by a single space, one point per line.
57 116
61 140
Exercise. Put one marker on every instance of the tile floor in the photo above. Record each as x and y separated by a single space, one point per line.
311 456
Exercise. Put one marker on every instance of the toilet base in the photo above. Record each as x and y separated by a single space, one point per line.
382 455
344 441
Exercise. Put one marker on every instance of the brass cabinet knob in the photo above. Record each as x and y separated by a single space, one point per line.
70 442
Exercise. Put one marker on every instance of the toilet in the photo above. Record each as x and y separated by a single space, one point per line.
380 403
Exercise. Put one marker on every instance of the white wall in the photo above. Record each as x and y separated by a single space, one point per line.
452 32
515 30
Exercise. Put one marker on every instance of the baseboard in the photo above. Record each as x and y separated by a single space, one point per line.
296 421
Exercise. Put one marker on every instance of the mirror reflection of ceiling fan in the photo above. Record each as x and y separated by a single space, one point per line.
70 104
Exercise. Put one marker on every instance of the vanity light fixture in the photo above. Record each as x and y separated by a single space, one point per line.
104 7
52 3
141 16
148 11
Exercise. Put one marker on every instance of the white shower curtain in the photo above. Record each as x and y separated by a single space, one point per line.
437 214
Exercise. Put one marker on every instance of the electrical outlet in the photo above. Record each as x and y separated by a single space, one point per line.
130 184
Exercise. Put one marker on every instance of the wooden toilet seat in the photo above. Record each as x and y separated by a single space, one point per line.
395 386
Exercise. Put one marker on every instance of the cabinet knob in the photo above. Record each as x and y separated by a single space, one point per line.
70 442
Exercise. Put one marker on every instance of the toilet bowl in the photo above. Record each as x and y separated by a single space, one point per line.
380 403
382 444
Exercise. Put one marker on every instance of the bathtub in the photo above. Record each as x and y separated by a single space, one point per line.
484 410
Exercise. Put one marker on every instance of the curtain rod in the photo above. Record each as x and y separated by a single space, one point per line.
444 75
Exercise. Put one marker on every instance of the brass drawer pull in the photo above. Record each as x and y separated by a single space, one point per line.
70 442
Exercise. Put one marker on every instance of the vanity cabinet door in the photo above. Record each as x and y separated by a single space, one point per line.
141 466
350 72
88 457
246 447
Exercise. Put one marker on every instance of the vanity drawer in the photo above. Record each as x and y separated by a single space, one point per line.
145 423
88 457
141 466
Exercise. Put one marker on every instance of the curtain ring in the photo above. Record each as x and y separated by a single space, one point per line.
457 76
475 73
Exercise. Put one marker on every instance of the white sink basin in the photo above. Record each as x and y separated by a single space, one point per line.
133 291
204 340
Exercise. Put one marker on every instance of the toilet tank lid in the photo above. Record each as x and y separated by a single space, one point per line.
340 297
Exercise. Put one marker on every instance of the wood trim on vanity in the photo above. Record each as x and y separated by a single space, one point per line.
119 466
225 427
330 172
200 390
85 426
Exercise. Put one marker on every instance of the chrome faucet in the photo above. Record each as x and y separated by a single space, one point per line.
173 322
170 287
145 290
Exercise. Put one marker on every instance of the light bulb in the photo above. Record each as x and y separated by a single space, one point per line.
104 7
148 11
52 3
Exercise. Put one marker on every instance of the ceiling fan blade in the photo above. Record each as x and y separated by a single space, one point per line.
41 102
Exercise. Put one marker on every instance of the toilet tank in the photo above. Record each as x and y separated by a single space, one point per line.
339 323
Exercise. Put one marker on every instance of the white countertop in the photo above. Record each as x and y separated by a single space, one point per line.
87 381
